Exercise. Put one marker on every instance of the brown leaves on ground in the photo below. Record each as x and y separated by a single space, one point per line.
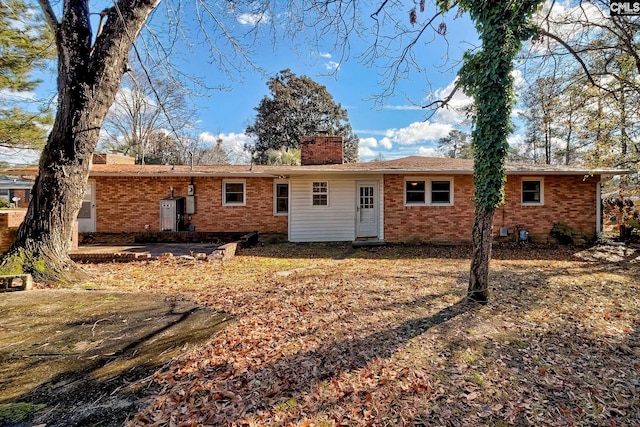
381 338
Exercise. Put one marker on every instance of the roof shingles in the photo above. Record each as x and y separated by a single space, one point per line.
412 164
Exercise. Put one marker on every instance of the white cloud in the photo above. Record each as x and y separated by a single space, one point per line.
515 112
402 107
332 65
518 80
233 144
378 132
515 139
368 142
428 152
10 95
252 18
366 152
568 22
454 112
386 143
324 55
417 132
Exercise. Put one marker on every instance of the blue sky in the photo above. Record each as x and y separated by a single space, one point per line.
395 128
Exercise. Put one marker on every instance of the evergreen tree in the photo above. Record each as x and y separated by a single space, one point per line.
25 45
298 106
456 145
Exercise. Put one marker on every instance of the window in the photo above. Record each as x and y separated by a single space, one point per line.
532 192
4 193
233 193
441 192
424 192
320 193
416 192
281 198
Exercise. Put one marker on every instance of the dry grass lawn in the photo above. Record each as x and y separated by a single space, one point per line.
324 335
328 336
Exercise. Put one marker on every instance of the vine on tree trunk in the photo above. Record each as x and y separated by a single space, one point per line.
486 76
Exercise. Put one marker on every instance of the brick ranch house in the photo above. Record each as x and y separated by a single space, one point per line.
409 199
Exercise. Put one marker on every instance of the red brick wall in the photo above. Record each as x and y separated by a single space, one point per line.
568 199
321 150
10 220
127 204
427 223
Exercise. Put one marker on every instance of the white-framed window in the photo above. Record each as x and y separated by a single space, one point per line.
5 193
415 192
428 192
320 193
280 198
234 192
441 192
532 191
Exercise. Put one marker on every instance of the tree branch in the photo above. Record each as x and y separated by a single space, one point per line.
577 57
50 16
442 103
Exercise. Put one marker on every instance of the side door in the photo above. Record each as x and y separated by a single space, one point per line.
367 208
87 214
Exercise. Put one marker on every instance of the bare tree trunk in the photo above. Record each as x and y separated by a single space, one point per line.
478 290
88 79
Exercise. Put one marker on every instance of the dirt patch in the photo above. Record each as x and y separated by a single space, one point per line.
87 355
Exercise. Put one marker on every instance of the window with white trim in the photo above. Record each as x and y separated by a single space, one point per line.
427 192
415 192
233 193
532 191
441 192
280 198
320 193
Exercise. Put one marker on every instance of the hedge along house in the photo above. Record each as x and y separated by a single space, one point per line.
408 199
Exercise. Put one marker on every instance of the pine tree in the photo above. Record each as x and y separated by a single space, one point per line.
26 44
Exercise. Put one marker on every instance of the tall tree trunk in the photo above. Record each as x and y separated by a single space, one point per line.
486 75
567 152
482 238
88 79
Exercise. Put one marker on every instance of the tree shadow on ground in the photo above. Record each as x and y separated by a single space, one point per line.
87 362
261 388
292 376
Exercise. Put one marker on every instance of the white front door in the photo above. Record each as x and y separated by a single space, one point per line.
87 214
367 209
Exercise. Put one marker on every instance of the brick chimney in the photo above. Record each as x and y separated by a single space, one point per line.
112 159
321 150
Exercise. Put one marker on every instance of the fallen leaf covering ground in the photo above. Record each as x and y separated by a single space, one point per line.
329 336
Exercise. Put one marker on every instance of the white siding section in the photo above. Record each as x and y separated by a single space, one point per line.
333 223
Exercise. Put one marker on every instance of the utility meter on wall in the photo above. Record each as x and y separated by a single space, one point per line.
191 190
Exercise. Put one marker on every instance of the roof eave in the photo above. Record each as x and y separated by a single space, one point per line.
187 174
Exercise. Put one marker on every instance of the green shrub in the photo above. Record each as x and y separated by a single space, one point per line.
562 232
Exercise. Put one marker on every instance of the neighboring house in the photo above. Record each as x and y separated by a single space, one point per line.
16 191
409 199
